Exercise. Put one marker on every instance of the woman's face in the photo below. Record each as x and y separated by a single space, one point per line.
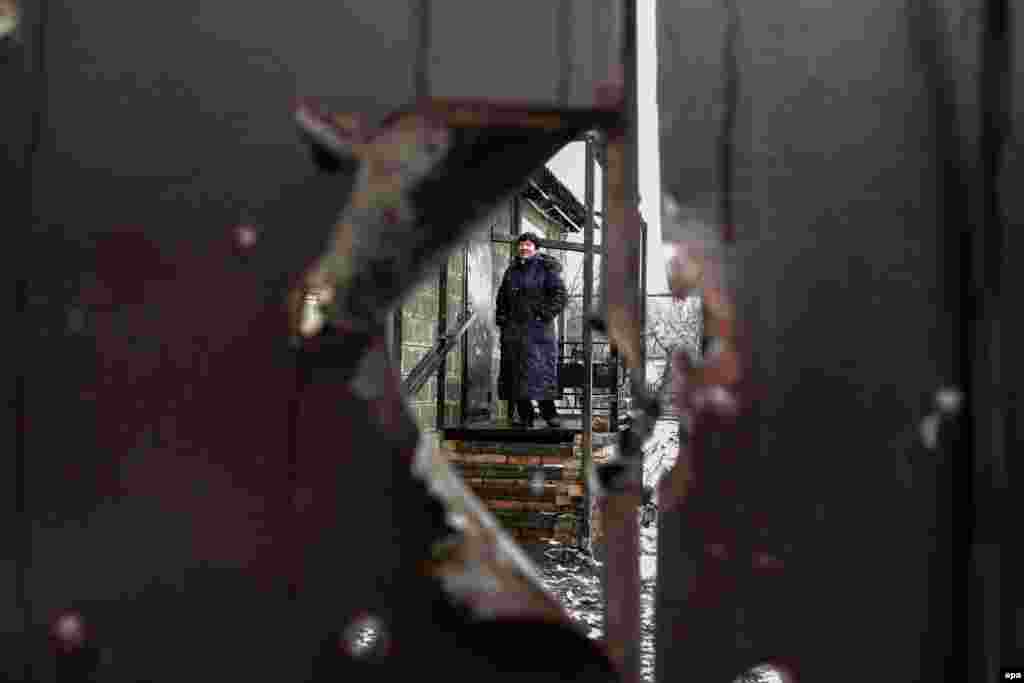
527 249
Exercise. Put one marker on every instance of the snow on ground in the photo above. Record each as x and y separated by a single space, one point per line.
576 579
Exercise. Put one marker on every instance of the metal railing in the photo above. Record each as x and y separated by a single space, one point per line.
428 365
610 390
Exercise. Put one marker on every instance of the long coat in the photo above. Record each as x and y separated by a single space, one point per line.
530 297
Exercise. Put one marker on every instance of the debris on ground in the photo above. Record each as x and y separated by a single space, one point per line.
575 578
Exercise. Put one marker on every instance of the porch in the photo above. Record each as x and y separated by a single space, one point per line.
532 479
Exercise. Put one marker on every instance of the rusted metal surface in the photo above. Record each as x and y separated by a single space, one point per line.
619 499
588 339
184 477
204 500
799 532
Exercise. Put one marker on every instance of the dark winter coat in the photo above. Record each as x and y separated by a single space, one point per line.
532 294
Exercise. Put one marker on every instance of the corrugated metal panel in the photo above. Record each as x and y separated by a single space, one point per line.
168 479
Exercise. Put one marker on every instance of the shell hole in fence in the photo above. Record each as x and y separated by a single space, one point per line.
365 636
9 17
68 632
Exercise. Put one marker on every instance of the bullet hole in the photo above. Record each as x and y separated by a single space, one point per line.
365 637
68 632
245 236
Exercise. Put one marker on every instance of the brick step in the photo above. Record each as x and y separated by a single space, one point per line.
547 450
517 490
558 493
502 459
520 489
554 507
551 503
471 471
516 519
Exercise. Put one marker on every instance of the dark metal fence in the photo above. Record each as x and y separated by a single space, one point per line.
610 386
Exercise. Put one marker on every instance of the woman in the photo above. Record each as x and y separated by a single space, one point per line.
530 297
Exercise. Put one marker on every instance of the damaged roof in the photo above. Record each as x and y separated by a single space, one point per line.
546 193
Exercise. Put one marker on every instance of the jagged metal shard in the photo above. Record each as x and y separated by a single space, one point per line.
424 177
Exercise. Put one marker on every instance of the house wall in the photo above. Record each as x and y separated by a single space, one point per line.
419 334
166 450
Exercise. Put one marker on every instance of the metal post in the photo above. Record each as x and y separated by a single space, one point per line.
464 344
513 226
621 576
643 303
588 338
561 343
442 328
613 352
